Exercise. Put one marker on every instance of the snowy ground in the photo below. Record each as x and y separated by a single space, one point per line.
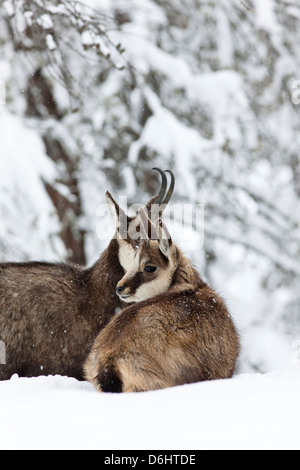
247 412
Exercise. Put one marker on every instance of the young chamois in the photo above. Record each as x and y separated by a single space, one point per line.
180 332
51 313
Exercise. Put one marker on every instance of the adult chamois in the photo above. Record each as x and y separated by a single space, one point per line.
181 331
51 313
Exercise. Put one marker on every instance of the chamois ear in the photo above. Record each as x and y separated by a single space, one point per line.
150 230
116 212
165 241
149 205
113 207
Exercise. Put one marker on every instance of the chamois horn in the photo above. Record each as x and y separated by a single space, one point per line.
171 189
163 188
163 198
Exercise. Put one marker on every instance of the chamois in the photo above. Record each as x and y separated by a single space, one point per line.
181 332
50 314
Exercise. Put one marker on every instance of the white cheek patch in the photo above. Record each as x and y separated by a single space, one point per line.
132 271
126 255
152 289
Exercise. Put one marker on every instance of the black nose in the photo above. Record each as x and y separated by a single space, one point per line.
120 289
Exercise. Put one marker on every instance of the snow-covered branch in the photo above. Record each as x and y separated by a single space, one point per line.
45 27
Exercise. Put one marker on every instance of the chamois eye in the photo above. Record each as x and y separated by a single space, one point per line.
150 269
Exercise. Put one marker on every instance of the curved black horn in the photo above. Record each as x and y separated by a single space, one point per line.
171 189
164 184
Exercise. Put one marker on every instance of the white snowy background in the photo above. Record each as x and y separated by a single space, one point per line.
208 89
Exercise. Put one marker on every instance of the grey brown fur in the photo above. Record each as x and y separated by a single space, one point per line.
182 336
51 313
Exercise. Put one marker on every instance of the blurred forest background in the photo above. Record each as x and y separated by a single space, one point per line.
100 92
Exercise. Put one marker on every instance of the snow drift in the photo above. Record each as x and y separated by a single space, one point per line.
247 412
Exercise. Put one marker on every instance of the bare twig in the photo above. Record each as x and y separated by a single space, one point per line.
246 6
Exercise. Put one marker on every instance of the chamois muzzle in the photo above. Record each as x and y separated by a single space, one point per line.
123 292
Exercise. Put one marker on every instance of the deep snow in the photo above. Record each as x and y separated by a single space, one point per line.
251 411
